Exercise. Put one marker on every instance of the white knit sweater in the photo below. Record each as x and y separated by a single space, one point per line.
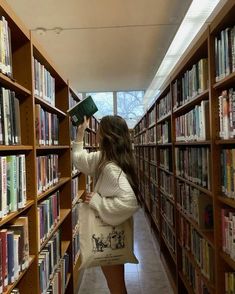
114 198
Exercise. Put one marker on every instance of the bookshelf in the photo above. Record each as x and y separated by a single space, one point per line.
194 159
36 135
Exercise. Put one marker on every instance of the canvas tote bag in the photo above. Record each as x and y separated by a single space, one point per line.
102 244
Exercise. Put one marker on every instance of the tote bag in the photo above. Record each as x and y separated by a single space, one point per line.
102 244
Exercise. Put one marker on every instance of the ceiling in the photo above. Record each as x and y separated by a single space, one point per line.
105 45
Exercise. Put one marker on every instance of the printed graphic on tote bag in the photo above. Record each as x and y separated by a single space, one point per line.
114 240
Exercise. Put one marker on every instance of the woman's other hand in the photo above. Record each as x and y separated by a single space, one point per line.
88 196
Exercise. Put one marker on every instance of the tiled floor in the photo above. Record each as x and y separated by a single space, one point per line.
146 277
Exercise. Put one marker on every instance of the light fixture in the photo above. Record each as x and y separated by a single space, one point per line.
41 31
196 16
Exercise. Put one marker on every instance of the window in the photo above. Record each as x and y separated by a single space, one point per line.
104 102
130 106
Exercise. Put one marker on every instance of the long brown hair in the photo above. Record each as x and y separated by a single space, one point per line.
115 146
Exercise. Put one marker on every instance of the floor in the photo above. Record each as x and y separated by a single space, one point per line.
146 277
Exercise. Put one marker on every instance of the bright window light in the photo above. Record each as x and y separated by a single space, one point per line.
197 14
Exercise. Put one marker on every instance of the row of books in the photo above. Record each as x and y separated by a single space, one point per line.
76 247
192 275
12 183
74 189
44 83
168 235
164 132
14 251
229 282
228 172
48 212
164 106
151 135
75 218
227 114
193 164
194 125
192 83
166 183
5 47
46 126
165 158
153 193
225 53
198 247
10 126
47 171
48 261
228 225
153 173
59 279
195 204
153 154
152 116
167 208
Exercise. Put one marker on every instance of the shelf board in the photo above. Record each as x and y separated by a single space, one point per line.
75 174
228 260
207 282
12 215
152 125
13 285
167 195
79 195
61 182
186 283
155 222
64 247
172 227
63 214
206 234
188 143
13 85
49 107
15 147
165 117
165 170
173 256
67 280
225 81
47 147
226 200
225 141
191 102
164 144
172 278
76 259
204 190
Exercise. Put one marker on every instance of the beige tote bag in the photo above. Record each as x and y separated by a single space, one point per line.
102 244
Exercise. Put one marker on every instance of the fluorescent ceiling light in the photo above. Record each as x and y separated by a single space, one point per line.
197 14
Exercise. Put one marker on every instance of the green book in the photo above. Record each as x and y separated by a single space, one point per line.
86 107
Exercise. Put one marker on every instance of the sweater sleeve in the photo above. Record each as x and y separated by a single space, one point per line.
84 161
118 202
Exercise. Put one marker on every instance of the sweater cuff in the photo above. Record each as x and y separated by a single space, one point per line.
96 201
77 146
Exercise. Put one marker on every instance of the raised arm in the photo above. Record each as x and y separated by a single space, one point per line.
84 161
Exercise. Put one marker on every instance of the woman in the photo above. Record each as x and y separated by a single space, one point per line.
114 170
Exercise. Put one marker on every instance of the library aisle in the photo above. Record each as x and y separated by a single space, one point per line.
146 277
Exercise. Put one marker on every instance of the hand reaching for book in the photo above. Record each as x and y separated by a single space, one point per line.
81 129
87 197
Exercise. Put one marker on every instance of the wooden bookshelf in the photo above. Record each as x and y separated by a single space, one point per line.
24 82
213 145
